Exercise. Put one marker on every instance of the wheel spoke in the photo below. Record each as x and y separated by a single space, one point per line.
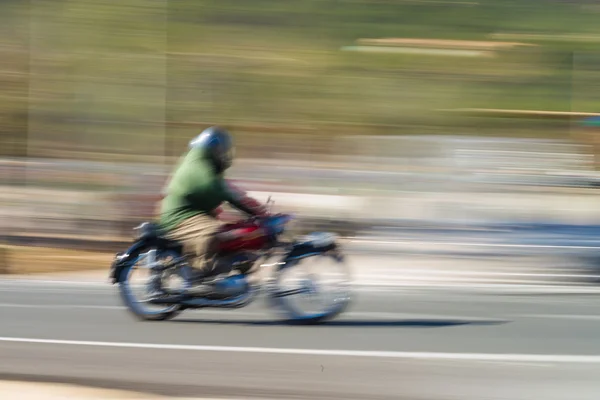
291 292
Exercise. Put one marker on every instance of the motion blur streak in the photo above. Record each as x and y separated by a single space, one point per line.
453 145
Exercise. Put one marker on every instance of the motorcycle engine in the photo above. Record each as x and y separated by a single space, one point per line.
231 286
243 262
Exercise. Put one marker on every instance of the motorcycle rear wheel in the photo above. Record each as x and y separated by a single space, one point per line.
143 310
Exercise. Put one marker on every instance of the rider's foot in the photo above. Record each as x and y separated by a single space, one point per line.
203 286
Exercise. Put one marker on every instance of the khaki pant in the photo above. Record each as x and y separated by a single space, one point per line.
198 235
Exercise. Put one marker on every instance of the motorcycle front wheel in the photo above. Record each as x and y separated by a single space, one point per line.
312 290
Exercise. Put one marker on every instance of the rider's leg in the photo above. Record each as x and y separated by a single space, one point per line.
198 235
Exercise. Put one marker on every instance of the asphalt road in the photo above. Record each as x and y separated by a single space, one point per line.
393 344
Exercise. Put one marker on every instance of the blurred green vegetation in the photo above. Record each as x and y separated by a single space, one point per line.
136 77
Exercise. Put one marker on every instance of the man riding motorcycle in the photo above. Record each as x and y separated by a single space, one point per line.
190 208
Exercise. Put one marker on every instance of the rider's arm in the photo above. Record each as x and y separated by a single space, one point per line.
238 198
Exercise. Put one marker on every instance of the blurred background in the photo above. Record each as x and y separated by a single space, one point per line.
364 117
453 144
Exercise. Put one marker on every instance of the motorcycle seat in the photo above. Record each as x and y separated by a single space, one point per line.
147 231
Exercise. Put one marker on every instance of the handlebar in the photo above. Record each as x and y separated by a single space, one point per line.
274 224
280 217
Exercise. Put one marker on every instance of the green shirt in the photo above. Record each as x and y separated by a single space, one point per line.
194 188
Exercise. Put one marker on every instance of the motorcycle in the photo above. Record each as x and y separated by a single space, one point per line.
151 251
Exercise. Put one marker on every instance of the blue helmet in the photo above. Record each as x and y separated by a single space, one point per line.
217 145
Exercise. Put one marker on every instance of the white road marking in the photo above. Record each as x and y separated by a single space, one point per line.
525 358
421 280
474 244
60 306
37 282
497 287
401 272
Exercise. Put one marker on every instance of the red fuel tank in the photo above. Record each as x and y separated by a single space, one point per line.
242 236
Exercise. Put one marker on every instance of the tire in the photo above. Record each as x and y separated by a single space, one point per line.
293 316
138 310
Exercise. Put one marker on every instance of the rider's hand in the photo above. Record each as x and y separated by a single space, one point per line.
239 199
